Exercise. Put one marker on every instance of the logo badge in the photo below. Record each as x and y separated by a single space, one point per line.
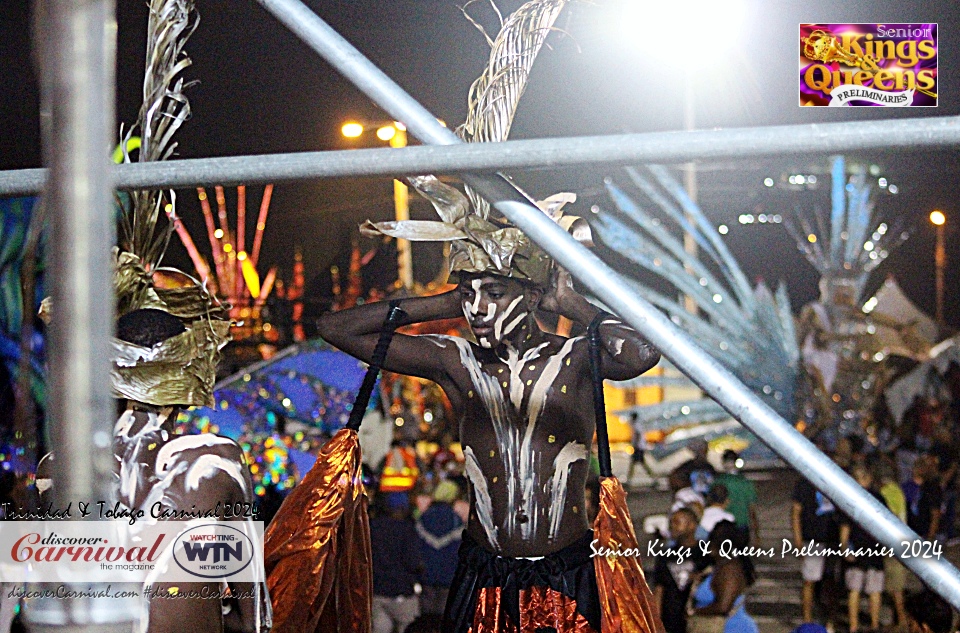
213 550
892 65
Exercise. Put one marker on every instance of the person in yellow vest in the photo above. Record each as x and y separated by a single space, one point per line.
400 469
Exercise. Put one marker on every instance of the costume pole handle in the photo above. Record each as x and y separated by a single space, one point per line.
599 406
394 316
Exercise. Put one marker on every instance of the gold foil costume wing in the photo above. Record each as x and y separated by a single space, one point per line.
317 549
626 603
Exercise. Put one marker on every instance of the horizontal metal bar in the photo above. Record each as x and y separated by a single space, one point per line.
660 147
613 289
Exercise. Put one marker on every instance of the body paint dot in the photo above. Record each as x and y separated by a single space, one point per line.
568 362
529 382
504 384
495 479
552 439
532 367
575 511
500 371
470 393
492 453
152 446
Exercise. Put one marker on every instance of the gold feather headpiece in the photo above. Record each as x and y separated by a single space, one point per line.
481 240
181 369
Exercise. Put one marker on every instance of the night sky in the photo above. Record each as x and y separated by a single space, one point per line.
261 90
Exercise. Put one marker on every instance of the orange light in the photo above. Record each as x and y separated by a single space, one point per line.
938 218
351 130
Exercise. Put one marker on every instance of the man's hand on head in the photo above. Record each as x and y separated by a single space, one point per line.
558 296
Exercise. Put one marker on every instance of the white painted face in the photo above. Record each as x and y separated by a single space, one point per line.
495 307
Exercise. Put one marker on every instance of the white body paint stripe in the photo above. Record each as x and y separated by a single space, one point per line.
513 324
515 364
617 346
572 452
521 463
483 503
207 466
538 397
490 393
498 332
171 450
472 308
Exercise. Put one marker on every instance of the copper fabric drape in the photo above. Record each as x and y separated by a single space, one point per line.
317 549
540 608
626 603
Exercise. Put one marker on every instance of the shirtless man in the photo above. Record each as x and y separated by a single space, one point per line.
162 474
525 404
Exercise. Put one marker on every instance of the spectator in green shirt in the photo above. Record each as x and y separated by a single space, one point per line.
742 495
895 574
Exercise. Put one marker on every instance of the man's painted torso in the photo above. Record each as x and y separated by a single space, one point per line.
526 426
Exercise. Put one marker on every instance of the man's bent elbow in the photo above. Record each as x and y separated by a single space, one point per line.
328 326
651 361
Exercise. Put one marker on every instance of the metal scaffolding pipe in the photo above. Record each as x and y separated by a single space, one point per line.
621 149
77 73
610 287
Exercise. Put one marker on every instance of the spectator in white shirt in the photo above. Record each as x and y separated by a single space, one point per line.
716 511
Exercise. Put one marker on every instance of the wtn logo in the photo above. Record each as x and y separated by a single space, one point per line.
221 551
215 550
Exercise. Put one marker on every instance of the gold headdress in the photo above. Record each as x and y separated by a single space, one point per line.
482 240
180 369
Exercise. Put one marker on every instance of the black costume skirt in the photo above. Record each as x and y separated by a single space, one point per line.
495 594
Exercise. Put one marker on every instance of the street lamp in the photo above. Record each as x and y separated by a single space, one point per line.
394 133
939 259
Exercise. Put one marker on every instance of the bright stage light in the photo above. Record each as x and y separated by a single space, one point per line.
938 218
351 130
386 133
686 31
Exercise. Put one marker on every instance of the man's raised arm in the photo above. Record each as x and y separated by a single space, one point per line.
625 353
356 331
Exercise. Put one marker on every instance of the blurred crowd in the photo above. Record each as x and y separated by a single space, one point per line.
913 472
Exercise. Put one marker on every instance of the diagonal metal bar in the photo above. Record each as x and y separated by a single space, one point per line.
676 345
621 149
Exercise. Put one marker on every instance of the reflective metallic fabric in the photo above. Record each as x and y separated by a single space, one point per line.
478 245
495 593
626 603
317 549
540 608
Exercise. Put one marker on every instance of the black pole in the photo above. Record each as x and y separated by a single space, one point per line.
394 315
599 406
